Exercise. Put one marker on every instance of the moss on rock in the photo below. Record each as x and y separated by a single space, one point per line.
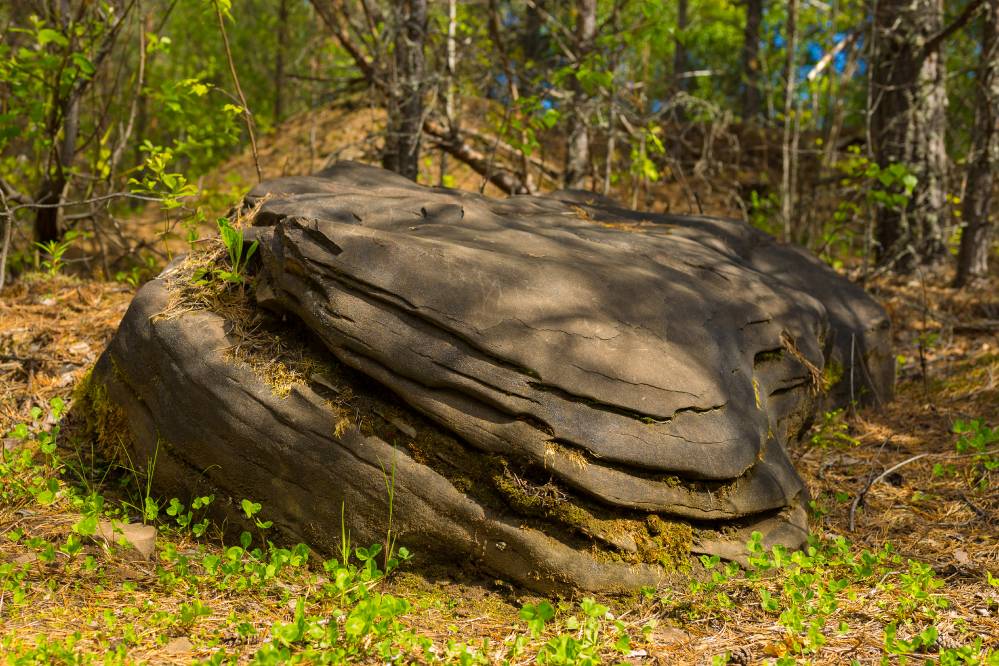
103 420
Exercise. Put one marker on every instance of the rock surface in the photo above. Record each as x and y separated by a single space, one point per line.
568 394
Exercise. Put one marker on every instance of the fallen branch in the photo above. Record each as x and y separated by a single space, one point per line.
504 179
545 168
8 230
978 512
983 326
863 493
82 202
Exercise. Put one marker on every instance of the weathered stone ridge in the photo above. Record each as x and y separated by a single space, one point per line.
571 383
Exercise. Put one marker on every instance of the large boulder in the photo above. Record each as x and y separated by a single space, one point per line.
554 389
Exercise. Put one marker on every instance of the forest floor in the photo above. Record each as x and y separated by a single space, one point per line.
937 511
905 560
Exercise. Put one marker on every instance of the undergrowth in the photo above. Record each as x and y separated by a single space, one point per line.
219 602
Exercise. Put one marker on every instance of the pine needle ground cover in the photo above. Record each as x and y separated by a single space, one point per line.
915 579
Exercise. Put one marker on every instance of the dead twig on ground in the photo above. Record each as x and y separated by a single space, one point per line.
863 493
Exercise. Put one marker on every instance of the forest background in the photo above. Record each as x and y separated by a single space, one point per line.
858 129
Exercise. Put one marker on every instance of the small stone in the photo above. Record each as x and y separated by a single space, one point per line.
666 634
79 349
177 646
141 537
26 558
65 379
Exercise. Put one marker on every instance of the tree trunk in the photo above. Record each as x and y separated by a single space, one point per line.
282 40
977 211
534 39
908 123
680 67
752 104
577 153
53 186
790 122
405 103
450 65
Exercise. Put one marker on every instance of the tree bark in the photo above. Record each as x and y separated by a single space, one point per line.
977 211
405 99
790 125
282 40
577 153
908 123
534 41
679 50
752 104
64 122
54 184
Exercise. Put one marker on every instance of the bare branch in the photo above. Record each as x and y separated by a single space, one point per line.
934 42
239 90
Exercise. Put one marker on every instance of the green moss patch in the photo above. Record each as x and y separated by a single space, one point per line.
103 420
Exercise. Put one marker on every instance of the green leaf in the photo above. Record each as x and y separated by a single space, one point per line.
151 509
50 36
58 406
86 526
250 508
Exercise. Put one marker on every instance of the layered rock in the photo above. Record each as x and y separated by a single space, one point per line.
569 393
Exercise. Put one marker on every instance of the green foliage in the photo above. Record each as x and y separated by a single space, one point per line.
144 269
345 616
156 181
865 188
239 256
764 212
811 593
536 616
833 431
55 249
981 444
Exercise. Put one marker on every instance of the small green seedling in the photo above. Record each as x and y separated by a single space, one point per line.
55 249
239 255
